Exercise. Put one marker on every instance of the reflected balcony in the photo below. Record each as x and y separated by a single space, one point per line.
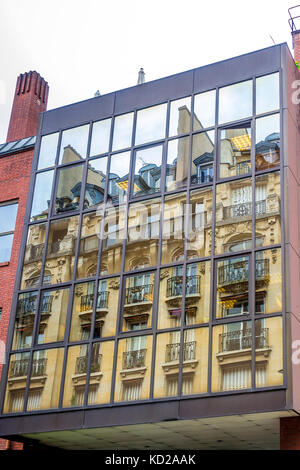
81 366
173 351
239 343
234 277
86 305
134 359
133 366
189 364
19 368
27 307
138 299
244 209
243 168
175 291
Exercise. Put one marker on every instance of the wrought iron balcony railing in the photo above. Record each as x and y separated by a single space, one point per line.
86 301
28 305
243 168
205 178
173 351
19 368
82 364
47 304
174 286
239 340
244 209
239 271
134 359
139 294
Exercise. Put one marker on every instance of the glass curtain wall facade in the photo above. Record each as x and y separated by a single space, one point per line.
153 262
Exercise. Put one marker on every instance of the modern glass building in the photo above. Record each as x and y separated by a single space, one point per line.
158 283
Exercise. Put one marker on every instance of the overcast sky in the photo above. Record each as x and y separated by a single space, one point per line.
80 46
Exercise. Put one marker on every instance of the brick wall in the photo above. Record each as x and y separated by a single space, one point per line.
14 184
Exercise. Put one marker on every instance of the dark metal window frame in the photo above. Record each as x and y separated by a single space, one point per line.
122 275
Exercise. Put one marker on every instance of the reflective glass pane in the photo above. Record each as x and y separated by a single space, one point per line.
68 189
24 320
235 102
231 357
45 378
118 178
233 216
32 264
235 151
113 238
194 354
101 373
177 163
197 293
16 383
107 307
147 172
89 245
203 158
95 183
199 226
267 142
133 368
204 110
268 288
151 124
52 315
166 364
100 137
73 145
180 116
61 250
232 287
122 131
138 301
170 297
194 361
8 215
269 370
267 93
48 150
42 195
76 372
143 234
82 312
173 228
267 202
6 242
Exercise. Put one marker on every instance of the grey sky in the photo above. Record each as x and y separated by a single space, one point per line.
81 46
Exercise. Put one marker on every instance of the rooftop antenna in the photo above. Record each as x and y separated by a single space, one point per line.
141 77
97 94
272 39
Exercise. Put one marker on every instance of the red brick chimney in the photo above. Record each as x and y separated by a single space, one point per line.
30 100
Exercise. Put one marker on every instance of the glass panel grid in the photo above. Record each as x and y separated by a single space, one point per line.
177 288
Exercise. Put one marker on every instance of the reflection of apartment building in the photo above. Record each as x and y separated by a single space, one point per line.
158 269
